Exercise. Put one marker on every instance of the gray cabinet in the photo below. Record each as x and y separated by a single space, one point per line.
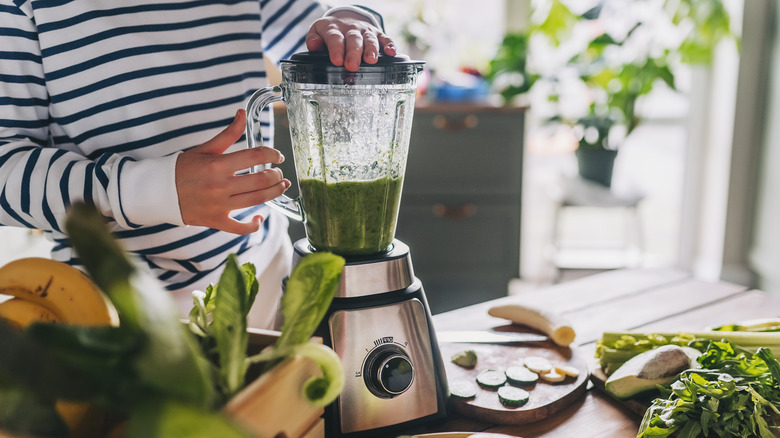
460 213
460 210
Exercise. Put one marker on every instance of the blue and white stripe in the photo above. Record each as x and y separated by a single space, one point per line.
97 98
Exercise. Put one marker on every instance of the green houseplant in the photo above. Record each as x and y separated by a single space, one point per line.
615 86
616 65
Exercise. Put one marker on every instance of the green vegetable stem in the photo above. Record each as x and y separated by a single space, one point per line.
615 348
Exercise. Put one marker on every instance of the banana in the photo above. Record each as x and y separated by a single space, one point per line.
21 313
83 419
549 323
59 287
46 290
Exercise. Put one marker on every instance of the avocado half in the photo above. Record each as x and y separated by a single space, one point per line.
645 371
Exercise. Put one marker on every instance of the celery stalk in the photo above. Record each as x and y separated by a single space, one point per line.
614 348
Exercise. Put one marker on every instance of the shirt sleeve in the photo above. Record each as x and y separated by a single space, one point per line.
39 179
285 25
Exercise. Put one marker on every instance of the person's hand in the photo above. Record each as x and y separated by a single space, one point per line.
209 188
349 38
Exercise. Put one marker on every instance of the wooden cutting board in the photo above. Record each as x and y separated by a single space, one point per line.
545 398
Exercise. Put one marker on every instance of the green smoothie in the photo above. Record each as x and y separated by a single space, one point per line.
351 217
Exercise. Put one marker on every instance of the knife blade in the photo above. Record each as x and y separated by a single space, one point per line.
487 337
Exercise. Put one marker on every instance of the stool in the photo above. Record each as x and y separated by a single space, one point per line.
575 192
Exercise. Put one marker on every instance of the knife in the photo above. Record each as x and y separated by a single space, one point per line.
487 337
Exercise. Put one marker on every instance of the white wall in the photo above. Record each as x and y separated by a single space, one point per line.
765 251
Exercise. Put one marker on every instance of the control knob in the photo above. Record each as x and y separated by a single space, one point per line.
388 371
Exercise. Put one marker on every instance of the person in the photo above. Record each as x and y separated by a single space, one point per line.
134 106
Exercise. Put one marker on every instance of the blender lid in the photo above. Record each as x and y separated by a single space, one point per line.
322 58
316 68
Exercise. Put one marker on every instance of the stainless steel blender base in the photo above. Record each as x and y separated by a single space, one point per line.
390 373
380 326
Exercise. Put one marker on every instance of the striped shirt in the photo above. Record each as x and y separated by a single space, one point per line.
98 98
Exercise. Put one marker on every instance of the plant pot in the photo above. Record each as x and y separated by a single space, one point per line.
596 164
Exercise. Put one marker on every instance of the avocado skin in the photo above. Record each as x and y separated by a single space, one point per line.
647 370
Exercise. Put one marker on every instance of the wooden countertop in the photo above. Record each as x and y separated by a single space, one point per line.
644 300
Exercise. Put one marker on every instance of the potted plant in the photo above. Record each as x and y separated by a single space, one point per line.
615 83
619 51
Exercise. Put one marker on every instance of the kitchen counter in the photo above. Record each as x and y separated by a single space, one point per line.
623 300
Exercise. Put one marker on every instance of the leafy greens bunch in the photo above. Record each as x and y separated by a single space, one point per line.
150 369
218 318
615 348
734 394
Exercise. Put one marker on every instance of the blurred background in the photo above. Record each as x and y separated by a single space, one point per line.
673 99
680 92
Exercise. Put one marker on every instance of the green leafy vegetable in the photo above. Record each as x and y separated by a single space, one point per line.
23 413
151 368
221 312
170 360
613 349
169 418
735 394
308 293
230 310
31 366
321 391
755 325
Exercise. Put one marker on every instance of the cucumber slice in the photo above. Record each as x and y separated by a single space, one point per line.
491 379
465 358
464 389
520 375
512 397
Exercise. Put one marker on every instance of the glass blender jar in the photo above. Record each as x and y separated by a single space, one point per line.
350 139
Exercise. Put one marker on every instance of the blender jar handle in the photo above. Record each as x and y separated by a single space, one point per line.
259 100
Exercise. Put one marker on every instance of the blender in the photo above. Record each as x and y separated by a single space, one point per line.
350 140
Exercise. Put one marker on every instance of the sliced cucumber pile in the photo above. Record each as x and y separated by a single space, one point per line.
510 383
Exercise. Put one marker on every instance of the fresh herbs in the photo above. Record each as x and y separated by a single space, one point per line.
733 395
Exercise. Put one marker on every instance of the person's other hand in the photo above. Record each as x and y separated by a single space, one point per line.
349 38
209 188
